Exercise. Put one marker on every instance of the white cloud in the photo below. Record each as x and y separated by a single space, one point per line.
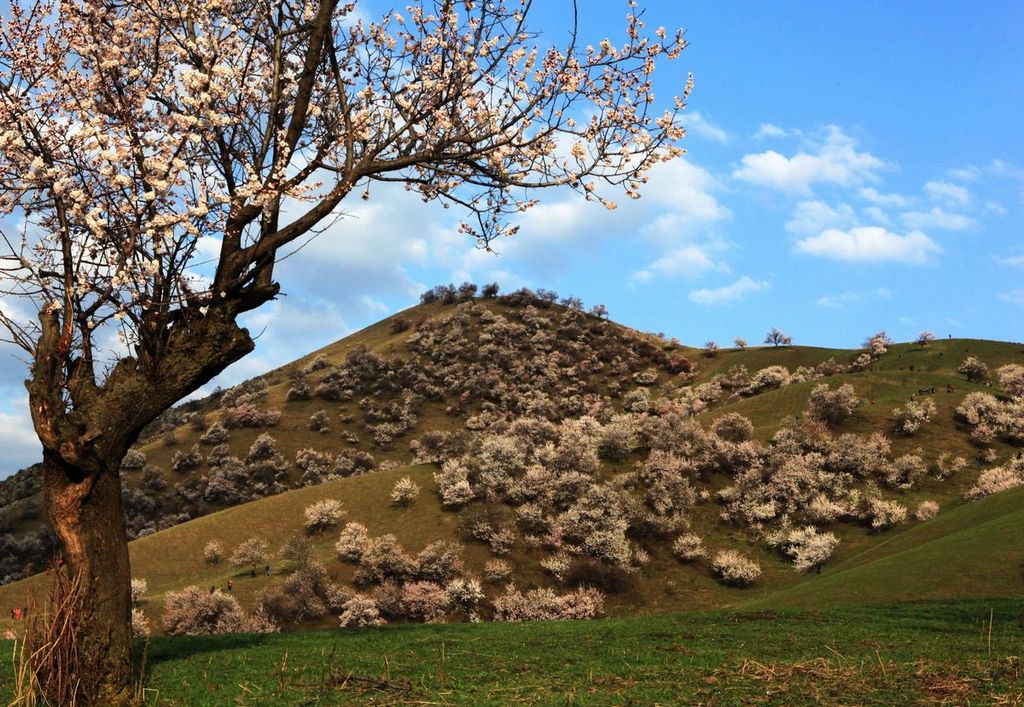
965 174
688 261
1014 260
767 130
936 218
875 197
947 192
1014 296
699 125
870 244
841 300
834 160
729 293
877 215
816 216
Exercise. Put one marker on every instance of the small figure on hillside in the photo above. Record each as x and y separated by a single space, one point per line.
17 613
12 614
231 585
266 570
213 588
252 573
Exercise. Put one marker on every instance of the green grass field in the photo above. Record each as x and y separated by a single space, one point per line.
967 652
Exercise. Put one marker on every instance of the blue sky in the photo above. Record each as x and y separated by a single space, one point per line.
851 167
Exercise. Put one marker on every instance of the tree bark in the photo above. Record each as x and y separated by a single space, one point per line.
83 445
85 508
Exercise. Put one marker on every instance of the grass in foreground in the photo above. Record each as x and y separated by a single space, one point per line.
922 652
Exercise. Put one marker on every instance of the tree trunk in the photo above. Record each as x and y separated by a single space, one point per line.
85 509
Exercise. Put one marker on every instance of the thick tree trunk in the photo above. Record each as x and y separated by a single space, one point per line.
85 509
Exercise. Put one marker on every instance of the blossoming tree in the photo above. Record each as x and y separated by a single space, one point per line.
158 158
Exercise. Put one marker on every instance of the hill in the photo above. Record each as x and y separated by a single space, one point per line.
582 453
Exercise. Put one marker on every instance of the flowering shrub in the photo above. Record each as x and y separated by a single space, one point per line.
323 514
926 510
946 466
426 601
770 378
808 548
453 484
195 612
263 447
497 571
1011 379
464 596
544 605
248 415
213 552
439 561
689 547
360 610
915 413
997 479
383 558
318 422
832 406
905 471
215 434
974 369
352 542
978 408
139 587
638 401
251 552
557 565
182 462
404 491
133 460
730 567
884 514
140 624
733 427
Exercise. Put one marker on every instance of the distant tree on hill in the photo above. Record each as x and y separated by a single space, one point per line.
777 338
740 342
599 311
924 338
490 290
878 344
711 349
974 368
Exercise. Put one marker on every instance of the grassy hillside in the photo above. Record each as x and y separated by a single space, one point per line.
965 652
439 383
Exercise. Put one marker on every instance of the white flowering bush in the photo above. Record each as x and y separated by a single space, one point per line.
769 378
251 552
323 514
453 484
884 514
213 552
139 588
352 542
464 595
557 565
383 558
424 601
905 471
832 406
404 492
439 561
544 604
140 624
912 416
195 612
808 548
689 547
926 510
733 427
974 369
215 434
360 610
998 479
947 465
730 567
1011 379
496 571
133 460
